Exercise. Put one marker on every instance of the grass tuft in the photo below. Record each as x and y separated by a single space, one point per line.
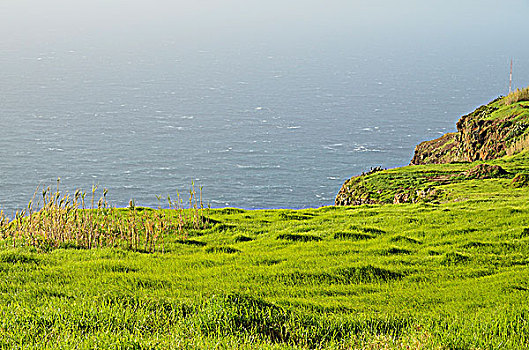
298 237
18 257
190 242
222 249
296 216
395 251
454 258
405 239
520 180
369 273
372 230
242 238
352 235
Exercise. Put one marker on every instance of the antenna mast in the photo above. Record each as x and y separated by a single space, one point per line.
510 79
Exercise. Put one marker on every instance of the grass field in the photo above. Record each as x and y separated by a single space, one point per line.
446 274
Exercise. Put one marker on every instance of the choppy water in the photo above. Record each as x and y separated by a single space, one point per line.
257 123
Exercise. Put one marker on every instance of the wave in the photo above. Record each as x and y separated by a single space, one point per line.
365 149
258 167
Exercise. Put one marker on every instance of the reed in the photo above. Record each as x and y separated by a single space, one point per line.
57 220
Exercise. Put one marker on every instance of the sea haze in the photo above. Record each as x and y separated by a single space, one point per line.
263 104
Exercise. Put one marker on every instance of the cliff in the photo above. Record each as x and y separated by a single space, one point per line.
492 131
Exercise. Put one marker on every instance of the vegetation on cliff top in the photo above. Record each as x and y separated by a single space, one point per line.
433 183
517 95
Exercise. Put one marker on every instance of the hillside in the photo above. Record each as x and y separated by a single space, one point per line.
492 132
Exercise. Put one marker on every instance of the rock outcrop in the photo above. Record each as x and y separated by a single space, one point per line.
485 171
490 132
445 149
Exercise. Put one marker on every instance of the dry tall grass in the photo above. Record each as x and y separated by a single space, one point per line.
56 220
517 96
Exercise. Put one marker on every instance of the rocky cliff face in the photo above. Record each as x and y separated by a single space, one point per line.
445 149
481 138
490 132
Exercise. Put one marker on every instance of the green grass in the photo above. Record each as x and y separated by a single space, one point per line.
435 183
516 104
446 274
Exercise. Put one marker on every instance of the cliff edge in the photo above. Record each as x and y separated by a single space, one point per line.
497 129
492 131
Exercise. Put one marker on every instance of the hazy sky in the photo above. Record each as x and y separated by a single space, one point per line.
462 29
30 22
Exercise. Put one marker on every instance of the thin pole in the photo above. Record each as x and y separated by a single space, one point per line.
510 79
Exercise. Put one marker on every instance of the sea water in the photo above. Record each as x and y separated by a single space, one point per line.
257 121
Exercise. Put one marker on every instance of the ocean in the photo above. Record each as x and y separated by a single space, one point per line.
258 114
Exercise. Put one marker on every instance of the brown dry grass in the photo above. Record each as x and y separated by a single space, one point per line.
57 220
517 96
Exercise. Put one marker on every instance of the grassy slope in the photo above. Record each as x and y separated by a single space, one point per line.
451 274
382 186
519 109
